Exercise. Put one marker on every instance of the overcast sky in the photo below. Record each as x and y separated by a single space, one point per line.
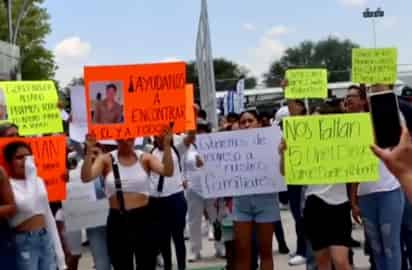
252 33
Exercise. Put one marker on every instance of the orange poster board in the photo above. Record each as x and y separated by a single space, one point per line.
50 157
135 100
190 112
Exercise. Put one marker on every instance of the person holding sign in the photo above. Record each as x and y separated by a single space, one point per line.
262 209
197 204
296 107
331 238
380 204
168 201
7 210
130 226
37 240
97 236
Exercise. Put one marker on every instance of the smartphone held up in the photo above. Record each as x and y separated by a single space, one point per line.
386 118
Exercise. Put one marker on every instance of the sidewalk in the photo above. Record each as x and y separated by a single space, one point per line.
281 261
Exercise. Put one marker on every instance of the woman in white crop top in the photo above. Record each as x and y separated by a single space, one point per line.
38 245
130 224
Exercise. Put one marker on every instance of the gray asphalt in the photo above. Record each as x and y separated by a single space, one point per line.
281 261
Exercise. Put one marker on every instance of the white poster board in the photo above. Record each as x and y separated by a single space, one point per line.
82 210
239 163
78 126
78 131
78 104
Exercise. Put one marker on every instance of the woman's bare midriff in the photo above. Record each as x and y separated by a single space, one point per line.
34 223
131 201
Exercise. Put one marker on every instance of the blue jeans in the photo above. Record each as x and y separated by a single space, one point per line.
98 245
35 251
7 248
382 216
295 194
171 212
406 235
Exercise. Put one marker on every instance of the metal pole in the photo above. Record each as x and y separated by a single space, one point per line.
9 19
374 31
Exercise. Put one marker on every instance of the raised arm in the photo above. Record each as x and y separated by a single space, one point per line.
94 161
166 167
8 205
93 167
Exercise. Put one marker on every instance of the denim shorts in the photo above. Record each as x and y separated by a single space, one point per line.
35 251
259 208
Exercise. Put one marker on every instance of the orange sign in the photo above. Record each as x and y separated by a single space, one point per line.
190 113
50 157
135 100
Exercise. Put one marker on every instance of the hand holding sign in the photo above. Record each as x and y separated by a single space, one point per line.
90 141
168 135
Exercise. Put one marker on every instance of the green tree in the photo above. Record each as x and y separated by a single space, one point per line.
332 53
37 62
227 73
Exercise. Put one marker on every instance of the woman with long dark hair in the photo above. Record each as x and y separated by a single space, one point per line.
331 238
130 226
37 241
261 210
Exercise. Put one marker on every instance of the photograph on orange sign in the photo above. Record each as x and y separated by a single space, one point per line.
107 102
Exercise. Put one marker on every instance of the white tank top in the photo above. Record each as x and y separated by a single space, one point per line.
134 178
31 199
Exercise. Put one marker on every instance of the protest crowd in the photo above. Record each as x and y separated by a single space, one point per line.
139 180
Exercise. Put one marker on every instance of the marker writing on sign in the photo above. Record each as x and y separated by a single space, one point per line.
299 155
167 113
238 182
157 82
349 173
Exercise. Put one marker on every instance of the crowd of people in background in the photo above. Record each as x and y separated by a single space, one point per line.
153 201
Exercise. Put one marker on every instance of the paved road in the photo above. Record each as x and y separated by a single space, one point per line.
281 261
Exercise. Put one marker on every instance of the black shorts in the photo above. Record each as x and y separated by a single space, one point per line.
327 225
